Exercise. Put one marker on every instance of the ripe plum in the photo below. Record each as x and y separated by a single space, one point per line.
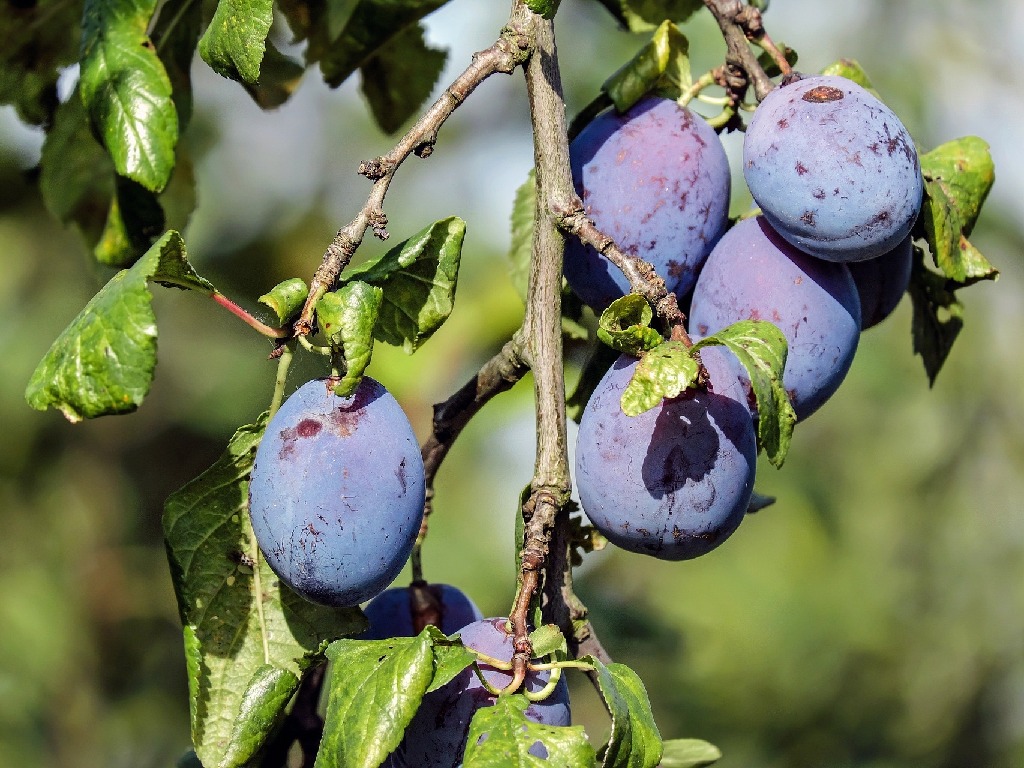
675 481
882 281
436 737
390 612
336 492
753 274
833 169
656 179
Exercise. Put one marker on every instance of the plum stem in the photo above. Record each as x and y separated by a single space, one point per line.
507 53
548 689
284 362
248 318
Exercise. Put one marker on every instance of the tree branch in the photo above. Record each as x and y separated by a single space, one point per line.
542 335
740 22
508 52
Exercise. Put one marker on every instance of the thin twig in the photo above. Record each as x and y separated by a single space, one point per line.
507 53
497 375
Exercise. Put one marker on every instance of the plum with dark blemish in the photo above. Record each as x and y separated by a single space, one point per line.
673 482
828 132
436 737
336 492
656 179
882 281
754 274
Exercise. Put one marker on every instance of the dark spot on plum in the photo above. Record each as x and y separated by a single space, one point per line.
400 474
783 124
819 193
808 218
308 428
801 169
822 94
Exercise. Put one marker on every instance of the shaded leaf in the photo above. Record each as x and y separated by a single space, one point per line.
374 689
347 317
103 362
625 325
238 620
450 658
236 39
689 753
762 349
134 219
176 35
662 66
286 298
126 91
634 741
645 15
938 316
279 77
419 277
367 28
523 212
37 40
399 77
664 371
600 360
958 176
501 737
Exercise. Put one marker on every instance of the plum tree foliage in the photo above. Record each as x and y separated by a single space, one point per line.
316 506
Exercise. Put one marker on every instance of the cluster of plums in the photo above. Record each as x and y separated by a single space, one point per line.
838 182
337 489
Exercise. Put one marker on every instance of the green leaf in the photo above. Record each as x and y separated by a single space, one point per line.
546 640
938 316
664 371
238 620
38 39
419 277
286 298
366 30
399 77
103 362
267 693
762 349
689 753
851 70
958 176
234 43
545 8
450 658
126 91
375 688
663 65
634 741
523 211
625 325
347 318
501 736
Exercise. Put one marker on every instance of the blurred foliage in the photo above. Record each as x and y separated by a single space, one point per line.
873 617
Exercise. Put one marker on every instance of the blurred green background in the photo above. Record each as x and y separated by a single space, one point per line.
874 617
